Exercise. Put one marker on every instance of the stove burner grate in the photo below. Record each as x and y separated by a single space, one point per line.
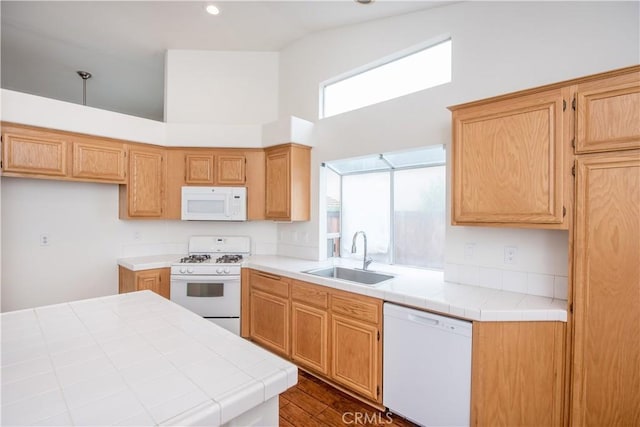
229 259
195 258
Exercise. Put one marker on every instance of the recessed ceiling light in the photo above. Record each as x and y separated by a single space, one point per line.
364 1
213 10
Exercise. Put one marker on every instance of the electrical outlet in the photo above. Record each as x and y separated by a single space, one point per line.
510 254
468 250
137 235
44 239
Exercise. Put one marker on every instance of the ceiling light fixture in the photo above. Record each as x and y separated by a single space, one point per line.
85 75
364 1
212 10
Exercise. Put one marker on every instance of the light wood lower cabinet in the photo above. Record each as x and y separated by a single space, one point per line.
355 356
606 297
517 372
269 307
310 326
156 280
310 337
334 334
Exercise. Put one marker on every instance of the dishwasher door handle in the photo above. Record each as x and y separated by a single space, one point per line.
424 320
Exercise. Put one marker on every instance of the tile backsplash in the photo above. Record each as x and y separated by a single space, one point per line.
544 285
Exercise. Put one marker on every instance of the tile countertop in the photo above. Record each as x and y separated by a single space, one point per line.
423 289
130 359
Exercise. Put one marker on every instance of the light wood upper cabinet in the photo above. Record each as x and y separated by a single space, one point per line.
608 114
199 168
156 280
606 297
231 169
288 176
99 160
508 161
255 183
214 167
30 151
143 196
33 151
517 371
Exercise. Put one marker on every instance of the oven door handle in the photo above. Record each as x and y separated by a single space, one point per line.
203 279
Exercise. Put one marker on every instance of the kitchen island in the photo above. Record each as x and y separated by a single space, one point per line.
134 359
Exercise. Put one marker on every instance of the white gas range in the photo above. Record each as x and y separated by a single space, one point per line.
207 281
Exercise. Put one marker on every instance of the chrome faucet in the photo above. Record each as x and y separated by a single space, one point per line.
366 260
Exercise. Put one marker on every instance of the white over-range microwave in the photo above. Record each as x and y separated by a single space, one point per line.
214 203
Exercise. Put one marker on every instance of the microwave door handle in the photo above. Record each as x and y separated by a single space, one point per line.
227 203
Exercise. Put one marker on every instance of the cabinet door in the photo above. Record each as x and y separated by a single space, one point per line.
146 183
508 161
35 152
95 161
309 337
199 169
150 280
608 114
231 169
278 186
355 356
156 280
606 299
269 321
517 373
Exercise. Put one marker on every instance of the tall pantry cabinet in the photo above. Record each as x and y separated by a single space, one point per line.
605 368
565 156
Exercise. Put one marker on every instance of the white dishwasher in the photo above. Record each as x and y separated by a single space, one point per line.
427 367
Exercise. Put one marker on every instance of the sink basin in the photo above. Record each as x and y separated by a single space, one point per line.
350 274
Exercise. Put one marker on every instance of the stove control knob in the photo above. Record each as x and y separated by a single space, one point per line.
227 270
183 270
219 270
190 270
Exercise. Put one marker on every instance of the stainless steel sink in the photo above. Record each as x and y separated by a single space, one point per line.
350 274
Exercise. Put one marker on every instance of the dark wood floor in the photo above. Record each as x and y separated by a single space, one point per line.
314 403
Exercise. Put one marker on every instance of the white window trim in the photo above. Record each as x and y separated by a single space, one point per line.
375 64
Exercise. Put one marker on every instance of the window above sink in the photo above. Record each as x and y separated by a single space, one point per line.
397 198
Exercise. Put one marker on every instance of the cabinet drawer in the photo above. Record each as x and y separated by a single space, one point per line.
310 294
270 283
367 309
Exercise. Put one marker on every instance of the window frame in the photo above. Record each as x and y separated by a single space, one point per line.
379 63
392 169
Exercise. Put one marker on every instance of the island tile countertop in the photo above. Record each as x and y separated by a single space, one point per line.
419 288
130 359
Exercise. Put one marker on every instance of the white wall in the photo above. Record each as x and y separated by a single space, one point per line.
498 47
86 238
36 110
81 219
219 98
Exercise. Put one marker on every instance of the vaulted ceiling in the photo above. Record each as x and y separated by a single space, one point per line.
122 44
